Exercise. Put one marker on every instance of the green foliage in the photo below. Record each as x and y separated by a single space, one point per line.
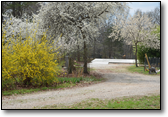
149 51
88 79
157 31
69 80
31 61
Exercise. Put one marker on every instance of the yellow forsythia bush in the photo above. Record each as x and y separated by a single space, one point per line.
29 62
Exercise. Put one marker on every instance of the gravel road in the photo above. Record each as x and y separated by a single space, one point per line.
119 83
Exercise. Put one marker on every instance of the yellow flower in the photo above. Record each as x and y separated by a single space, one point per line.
28 58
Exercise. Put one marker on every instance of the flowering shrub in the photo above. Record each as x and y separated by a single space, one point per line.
29 62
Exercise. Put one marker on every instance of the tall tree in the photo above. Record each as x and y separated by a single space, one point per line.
154 15
19 8
137 30
72 17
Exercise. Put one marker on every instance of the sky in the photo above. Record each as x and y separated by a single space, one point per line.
143 6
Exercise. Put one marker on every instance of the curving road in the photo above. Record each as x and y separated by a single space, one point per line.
119 83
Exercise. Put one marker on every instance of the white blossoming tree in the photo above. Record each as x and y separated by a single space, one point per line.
22 26
77 19
78 22
137 30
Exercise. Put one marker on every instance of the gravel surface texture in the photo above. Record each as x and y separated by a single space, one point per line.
119 83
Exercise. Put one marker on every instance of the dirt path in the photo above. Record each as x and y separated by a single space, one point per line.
118 84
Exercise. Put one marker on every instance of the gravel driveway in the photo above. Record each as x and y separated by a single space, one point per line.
119 83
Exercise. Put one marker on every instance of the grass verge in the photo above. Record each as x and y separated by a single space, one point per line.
64 83
24 91
140 70
136 102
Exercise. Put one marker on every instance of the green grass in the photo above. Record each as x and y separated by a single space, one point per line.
24 91
72 80
139 70
136 102
65 83
20 91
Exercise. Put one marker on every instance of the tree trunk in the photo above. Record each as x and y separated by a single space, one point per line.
14 9
78 54
136 54
84 55
131 51
109 54
112 50
19 10
94 49
85 59
109 49
114 55
104 49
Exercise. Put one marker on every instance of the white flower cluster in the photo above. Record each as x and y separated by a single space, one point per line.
14 26
137 29
76 21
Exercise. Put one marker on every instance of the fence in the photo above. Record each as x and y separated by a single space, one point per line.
154 62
